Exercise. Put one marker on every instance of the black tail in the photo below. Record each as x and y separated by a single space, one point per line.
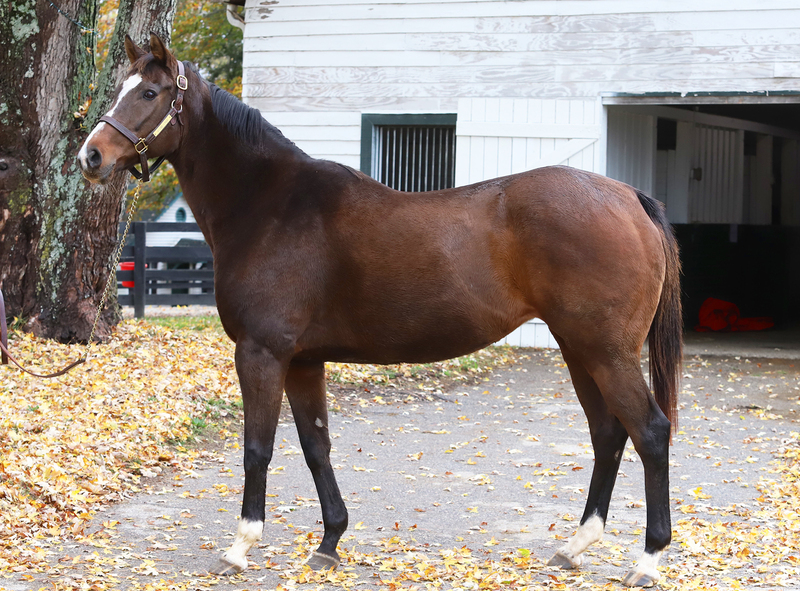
666 332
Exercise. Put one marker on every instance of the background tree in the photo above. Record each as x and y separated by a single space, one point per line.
57 232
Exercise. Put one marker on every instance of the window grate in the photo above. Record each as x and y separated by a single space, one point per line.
414 158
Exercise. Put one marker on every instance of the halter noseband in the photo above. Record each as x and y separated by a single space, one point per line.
140 144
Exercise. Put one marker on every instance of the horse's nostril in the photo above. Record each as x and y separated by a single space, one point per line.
94 158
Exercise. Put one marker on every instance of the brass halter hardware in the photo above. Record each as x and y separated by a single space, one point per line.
141 144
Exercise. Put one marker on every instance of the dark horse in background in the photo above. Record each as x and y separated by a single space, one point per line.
316 262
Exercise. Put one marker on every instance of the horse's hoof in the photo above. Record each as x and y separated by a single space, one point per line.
561 560
319 561
223 567
636 578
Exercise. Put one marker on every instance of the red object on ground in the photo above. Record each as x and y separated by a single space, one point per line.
126 267
719 315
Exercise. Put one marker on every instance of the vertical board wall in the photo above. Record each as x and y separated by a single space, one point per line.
632 149
717 175
496 137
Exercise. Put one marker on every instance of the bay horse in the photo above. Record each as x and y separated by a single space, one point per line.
316 262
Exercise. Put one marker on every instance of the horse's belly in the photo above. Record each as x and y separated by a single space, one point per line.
412 332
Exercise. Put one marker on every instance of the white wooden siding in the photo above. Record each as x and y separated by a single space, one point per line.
329 135
423 56
496 137
349 57
632 149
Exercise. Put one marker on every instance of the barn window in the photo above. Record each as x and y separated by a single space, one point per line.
180 215
409 152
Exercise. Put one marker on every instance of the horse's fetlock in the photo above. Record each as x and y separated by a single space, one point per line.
657 538
339 520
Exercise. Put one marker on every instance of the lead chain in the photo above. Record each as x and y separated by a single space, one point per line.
112 277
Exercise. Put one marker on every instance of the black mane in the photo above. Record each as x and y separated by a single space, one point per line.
245 123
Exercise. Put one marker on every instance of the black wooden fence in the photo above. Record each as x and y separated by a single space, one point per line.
188 268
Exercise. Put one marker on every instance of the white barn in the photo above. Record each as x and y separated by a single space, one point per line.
697 103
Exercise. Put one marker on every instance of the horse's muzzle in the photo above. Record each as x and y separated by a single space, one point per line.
94 168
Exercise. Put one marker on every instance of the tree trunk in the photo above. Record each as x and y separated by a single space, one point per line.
58 232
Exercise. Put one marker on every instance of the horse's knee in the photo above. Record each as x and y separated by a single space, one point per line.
257 457
608 438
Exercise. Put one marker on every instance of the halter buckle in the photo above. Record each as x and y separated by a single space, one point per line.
140 146
182 81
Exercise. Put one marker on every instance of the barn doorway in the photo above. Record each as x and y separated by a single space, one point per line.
728 170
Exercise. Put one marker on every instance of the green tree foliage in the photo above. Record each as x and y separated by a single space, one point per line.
203 35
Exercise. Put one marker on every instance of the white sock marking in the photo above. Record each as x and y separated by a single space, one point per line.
247 535
587 534
648 564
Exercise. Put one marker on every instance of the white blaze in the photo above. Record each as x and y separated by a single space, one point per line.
127 86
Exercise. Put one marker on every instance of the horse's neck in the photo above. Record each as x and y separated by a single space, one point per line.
220 174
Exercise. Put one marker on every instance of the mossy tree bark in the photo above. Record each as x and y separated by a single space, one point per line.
58 232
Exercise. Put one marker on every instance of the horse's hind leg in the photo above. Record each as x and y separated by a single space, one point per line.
608 440
305 388
628 397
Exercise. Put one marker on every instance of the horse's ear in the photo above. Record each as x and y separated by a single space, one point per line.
159 50
134 51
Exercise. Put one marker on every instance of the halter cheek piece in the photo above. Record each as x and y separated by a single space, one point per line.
141 144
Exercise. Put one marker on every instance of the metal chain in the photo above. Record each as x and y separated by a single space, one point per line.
112 277
84 29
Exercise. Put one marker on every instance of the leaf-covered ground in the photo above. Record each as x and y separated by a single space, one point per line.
72 445
457 475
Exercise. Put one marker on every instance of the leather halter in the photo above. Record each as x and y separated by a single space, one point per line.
141 144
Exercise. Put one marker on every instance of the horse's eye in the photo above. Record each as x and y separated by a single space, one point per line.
150 95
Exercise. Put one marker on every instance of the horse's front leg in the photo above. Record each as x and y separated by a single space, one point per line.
261 376
305 388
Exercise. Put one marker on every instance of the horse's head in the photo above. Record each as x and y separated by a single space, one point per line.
141 122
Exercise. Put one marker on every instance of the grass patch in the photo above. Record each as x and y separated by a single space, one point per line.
209 322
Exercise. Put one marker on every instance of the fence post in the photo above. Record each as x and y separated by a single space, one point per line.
140 284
